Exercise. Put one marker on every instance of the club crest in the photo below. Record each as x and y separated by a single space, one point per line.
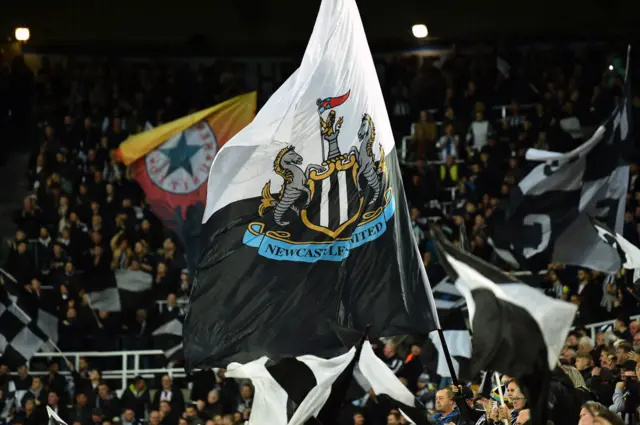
324 209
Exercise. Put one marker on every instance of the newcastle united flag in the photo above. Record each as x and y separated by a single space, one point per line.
545 219
306 220
517 330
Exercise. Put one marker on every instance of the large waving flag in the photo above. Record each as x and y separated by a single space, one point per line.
517 330
171 162
546 218
306 217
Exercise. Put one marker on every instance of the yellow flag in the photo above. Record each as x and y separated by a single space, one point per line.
225 119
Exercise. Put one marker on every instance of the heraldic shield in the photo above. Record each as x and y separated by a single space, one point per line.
335 203
324 210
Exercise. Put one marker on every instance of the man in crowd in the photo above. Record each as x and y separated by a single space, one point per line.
446 410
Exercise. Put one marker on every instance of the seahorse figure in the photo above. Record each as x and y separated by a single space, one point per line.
366 158
286 165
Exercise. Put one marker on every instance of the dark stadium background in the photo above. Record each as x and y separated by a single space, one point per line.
250 27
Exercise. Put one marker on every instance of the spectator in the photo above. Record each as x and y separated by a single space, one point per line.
56 382
154 417
246 398
108 402
136 397
626 397
391 357
53 401
80 412
30 414
37 392
171 395
213 406
167 415
192 416
584 364
448 144
424 137
479 132
446 409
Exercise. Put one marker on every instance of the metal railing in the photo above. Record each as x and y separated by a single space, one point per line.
124 373
594 327
162 304
128 370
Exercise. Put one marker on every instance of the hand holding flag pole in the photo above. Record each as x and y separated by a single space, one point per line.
93 312
497 378
55 346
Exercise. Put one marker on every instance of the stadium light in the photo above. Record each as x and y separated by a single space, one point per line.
23 34
420 31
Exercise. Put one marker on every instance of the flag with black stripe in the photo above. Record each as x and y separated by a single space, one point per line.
312 390
452 312
516 329
545 220
168 338
306 222
458 340
628 252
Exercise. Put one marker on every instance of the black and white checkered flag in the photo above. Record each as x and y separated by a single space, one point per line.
122 290
25 326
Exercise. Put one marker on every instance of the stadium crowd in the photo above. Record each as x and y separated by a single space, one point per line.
85 215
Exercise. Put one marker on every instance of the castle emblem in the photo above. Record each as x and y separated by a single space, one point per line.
324 210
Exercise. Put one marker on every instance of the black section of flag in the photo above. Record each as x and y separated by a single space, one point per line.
629 253
417 415
544 219
245 305
507 335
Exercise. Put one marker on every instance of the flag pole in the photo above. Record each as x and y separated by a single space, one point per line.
432 303
447 356
95 316
55 346
497 377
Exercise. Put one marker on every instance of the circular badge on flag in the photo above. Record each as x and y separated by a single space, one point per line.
181 165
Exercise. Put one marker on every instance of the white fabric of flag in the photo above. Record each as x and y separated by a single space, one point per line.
554 317
270 399
629 253
459 345
337 52
53 416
